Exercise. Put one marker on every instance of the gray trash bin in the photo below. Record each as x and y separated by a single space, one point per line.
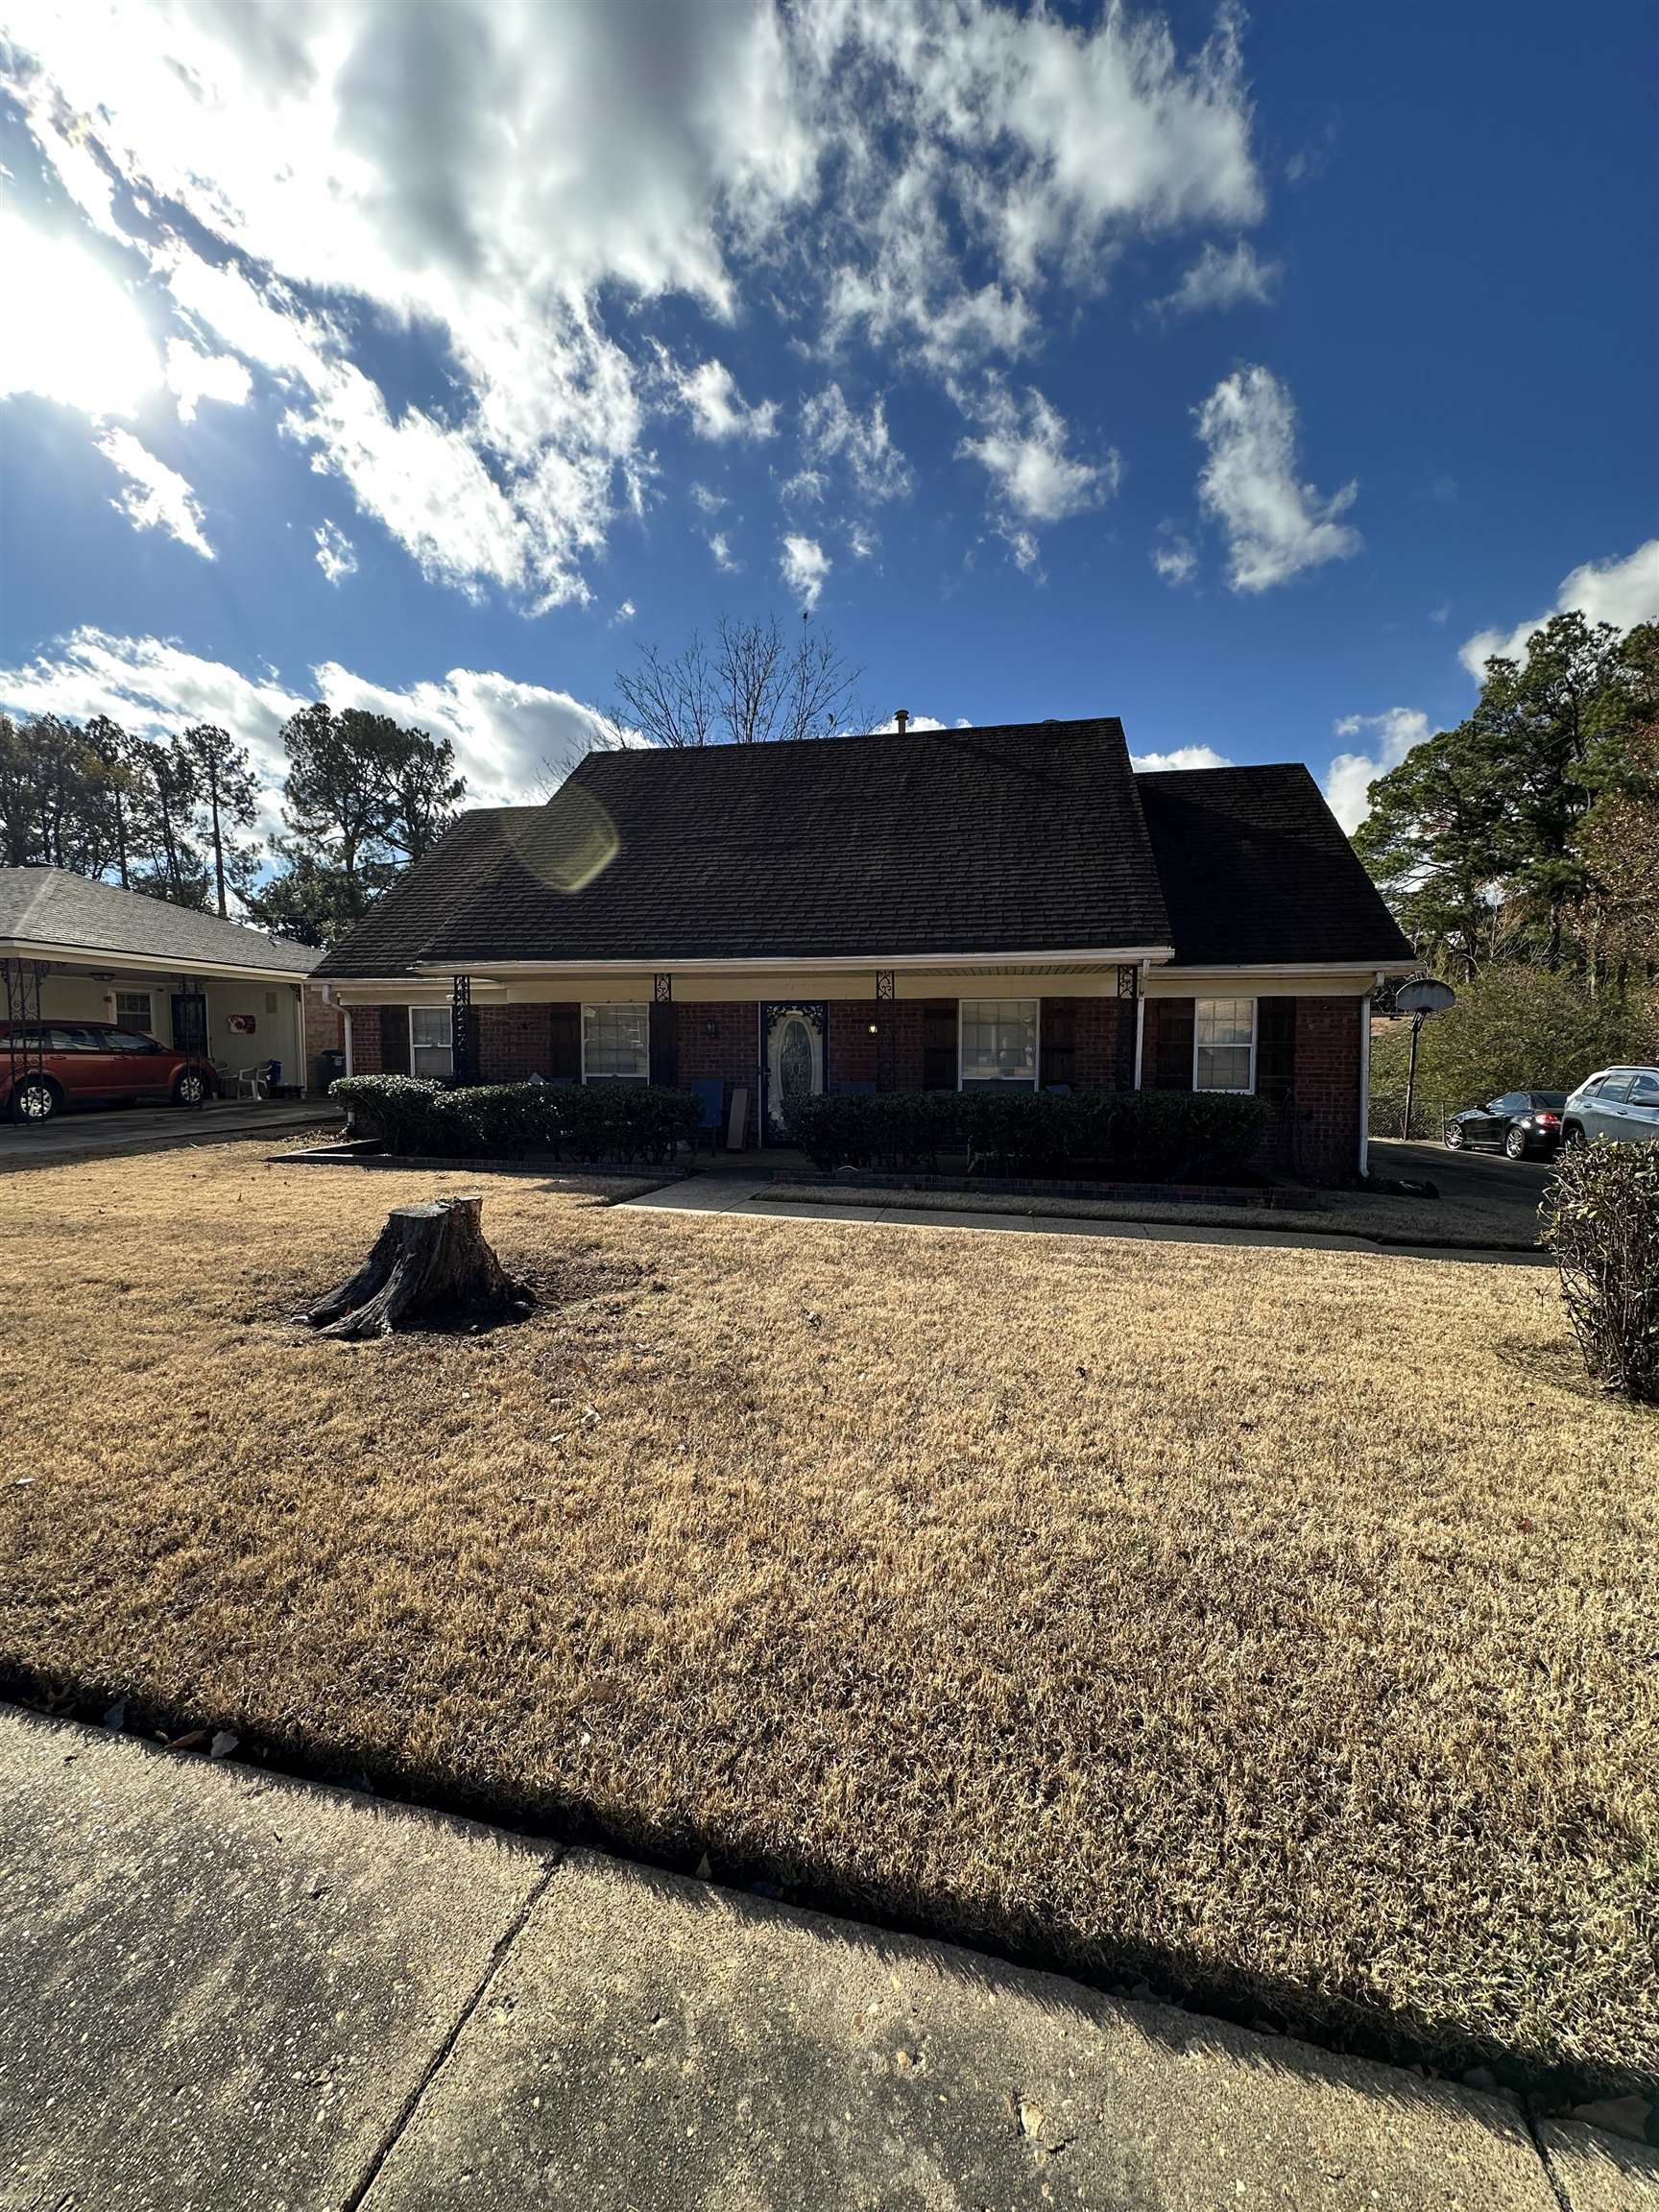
330 1066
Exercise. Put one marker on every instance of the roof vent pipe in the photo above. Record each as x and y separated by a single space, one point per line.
902 717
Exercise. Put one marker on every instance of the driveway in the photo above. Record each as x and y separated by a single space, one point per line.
91 1135
1509 1189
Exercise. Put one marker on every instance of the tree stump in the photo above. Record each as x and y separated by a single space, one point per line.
430 1265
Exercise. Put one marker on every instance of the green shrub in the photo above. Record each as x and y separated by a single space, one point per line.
506 1120
1601 1225
1152 1136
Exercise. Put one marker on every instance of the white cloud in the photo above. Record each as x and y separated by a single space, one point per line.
1623 592
805 485
1351 774
890 728
1276 525
195 376
1175 556
156 497
804 566
1180 757
336 555
718 410
625 613
724 558
79 340
1224 280
711 502
520 187
503 731
1022 444
832 430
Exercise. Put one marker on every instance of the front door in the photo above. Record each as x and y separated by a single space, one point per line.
793 1059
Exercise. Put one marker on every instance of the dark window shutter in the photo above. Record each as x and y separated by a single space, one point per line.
565 1044
665 1045
1172 1068
1275 1047
939 1045
1057 1041
395 1040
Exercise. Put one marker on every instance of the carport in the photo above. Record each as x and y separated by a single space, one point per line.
75 950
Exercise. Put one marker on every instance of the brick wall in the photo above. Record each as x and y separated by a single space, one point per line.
1320 1137
514 1042
325 1032
719 1038
1314 1133
365 1041
1101 1033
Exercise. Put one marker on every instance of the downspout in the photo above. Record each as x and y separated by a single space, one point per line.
299 1035
1139 1021
1366 1079
346 1017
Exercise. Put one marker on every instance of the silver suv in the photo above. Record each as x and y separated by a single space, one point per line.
1620 1103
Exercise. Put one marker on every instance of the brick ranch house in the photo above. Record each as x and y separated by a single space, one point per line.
929 909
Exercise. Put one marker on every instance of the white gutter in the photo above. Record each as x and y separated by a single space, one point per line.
1366 1075
143 963
1140 1024
811 963
345 1012
1291 968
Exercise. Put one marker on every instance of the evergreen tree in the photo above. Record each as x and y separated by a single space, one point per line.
230 795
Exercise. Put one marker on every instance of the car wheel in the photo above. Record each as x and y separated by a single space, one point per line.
1572 1137
1515 1143
192 1089
37 1099
1453 1136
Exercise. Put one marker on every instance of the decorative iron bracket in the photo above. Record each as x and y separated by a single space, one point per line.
663 990
884 983
1128 980
462 1034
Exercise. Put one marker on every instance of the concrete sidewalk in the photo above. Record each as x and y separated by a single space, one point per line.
735 1191
227 1990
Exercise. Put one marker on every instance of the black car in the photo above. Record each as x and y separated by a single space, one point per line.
1520 1123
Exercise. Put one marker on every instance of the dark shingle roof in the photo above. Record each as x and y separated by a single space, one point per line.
1024 837
51 906
1254 868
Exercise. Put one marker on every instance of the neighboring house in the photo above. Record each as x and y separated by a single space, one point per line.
74 949
1009 906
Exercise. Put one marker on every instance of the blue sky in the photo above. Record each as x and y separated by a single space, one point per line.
1247 375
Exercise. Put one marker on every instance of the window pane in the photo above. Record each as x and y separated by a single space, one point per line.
999 1041
1223 1029
616 1042
430 1041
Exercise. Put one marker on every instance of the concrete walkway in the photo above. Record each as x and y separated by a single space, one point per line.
228 1991
732 1188
93 1135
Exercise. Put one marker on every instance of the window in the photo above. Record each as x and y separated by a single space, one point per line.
999 1041
616 1044
126 1041
1645 1091
132 1011
1224 1044
1612 1088
431 1042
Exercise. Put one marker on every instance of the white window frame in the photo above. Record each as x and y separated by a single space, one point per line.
448 1013
963 1078
1226 1090
122 1020
603 1005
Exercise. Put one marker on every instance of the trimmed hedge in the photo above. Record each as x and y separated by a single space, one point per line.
1150 1136
506 1120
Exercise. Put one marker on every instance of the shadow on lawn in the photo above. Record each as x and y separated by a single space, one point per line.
915 1949
1269 2019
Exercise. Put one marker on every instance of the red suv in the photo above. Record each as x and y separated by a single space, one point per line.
59 1064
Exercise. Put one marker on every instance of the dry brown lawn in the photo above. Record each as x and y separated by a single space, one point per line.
1277 1625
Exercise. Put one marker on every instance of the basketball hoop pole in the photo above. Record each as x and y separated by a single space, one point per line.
1412 1072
